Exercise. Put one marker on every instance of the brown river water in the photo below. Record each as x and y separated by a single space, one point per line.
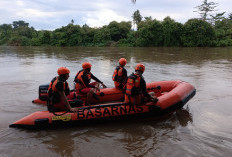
202 128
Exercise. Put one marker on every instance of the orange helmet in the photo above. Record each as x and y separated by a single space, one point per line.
63 70
86 65
140 67
122 61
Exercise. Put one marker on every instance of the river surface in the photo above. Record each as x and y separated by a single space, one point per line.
202 128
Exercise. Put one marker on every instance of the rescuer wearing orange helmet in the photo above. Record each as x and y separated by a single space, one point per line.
83 85
136 87
120 74
58 90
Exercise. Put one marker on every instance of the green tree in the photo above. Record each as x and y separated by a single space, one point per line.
5 33
197 33
24 31
223 29
69 35
217 17
88 35
144 22
129 41
17 24
72 21
137 18
58 38
151 34
102 36
230 16
19 41
119 30
171 32
74 35
205 8
46 37
22 34
148 18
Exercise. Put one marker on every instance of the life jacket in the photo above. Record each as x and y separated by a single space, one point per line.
118 75
79 81
133 85
53 92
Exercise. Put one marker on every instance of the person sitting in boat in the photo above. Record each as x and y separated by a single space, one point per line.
58 90
120 75
83 85
136 91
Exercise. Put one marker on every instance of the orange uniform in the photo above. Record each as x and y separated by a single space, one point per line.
83 79
57 84
120 77
135 89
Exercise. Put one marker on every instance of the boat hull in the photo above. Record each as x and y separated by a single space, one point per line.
172 96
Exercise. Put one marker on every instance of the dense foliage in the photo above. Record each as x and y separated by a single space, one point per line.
197 33
149 32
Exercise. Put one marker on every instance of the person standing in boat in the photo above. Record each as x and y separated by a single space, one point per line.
83 85
58 90
120 75
136 90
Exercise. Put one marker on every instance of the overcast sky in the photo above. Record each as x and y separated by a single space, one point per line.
52 14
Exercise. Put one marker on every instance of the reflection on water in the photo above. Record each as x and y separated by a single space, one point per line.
60 145
201 128
184 116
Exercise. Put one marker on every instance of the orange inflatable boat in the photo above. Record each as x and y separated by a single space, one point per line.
172 95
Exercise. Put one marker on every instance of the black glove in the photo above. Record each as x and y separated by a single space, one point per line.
154 100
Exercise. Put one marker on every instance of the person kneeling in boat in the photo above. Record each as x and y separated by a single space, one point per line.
58 90
136 91
83 85
120 75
